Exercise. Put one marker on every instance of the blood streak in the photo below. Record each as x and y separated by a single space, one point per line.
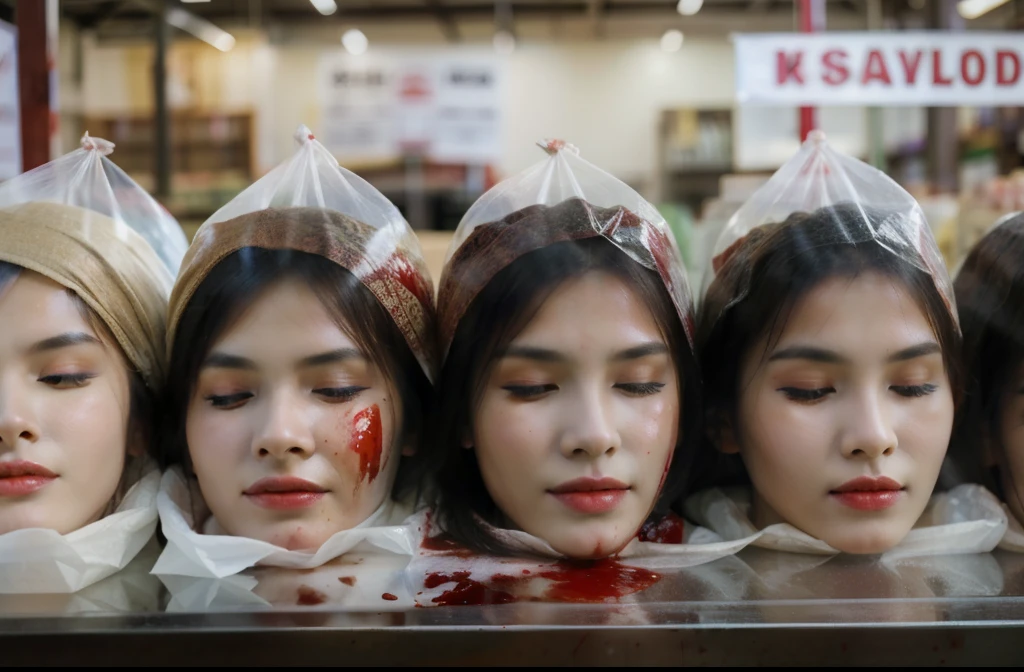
389 597
367 442
347 580
310 596
668 530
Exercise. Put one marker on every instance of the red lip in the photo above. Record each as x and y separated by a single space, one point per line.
284 492
21 478
869 494
591 495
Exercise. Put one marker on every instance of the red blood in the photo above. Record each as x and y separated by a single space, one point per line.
347 580
309 596
443 543
596 581
389 597
466 591
410 278
367 442
668 530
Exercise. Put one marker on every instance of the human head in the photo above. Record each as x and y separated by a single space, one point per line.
988 444
800 274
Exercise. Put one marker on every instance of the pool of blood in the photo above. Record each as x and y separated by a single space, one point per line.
668 530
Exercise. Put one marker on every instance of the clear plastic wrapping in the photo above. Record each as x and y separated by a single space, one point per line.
561 198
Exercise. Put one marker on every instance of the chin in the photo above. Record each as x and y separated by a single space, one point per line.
589 547
869 542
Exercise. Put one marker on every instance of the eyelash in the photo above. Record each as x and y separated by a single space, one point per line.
914 390
334 395
529 391
640 389
533 391
228 402
339 395
810 396
67 381
803 396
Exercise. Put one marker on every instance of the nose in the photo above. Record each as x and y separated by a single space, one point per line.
868 431
285 430
16 420
589 428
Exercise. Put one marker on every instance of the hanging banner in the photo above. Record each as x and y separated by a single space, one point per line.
443 105
921 68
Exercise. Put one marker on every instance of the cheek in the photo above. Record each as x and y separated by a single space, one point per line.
214 436
94 420
779 434
505 432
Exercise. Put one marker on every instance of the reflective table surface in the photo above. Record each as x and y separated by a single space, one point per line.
759 607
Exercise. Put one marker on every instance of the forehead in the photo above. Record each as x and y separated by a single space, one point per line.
287 317
49 306
597 308
869 313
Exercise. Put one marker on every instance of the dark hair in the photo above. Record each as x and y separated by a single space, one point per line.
501 311
767 275
142 400
990 296
235 283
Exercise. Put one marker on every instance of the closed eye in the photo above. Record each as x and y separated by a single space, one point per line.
802 395
228 402
914 390
64 381
640 389
338 395
529 391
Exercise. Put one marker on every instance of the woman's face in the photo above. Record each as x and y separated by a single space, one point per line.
291 428
64 405
579 417
843 423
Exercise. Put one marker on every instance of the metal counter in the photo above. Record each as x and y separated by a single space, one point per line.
759 607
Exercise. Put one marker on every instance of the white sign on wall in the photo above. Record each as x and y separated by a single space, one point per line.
10 113
869 68
441 104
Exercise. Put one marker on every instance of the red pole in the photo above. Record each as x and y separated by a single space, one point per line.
812 20
33 83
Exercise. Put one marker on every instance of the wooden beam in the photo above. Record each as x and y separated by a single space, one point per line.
33 83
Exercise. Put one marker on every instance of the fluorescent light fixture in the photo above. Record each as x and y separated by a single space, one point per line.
504 42
672 40
325 7
189 2
689 7
201 28
972 9
355 41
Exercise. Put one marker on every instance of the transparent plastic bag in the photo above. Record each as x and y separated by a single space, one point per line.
87 179
867 205
311 204
559 199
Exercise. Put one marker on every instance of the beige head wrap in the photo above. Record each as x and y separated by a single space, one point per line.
109 266
393 272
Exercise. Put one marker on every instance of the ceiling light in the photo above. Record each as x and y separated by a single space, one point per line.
689 7
672 40
325 7
504 42
201 28
972 9
355 41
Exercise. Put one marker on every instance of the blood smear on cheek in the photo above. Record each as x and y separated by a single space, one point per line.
367 441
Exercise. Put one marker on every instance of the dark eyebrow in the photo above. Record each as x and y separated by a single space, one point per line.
640 351
339 355
915 351
530 352
222 360
64 341
809 353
